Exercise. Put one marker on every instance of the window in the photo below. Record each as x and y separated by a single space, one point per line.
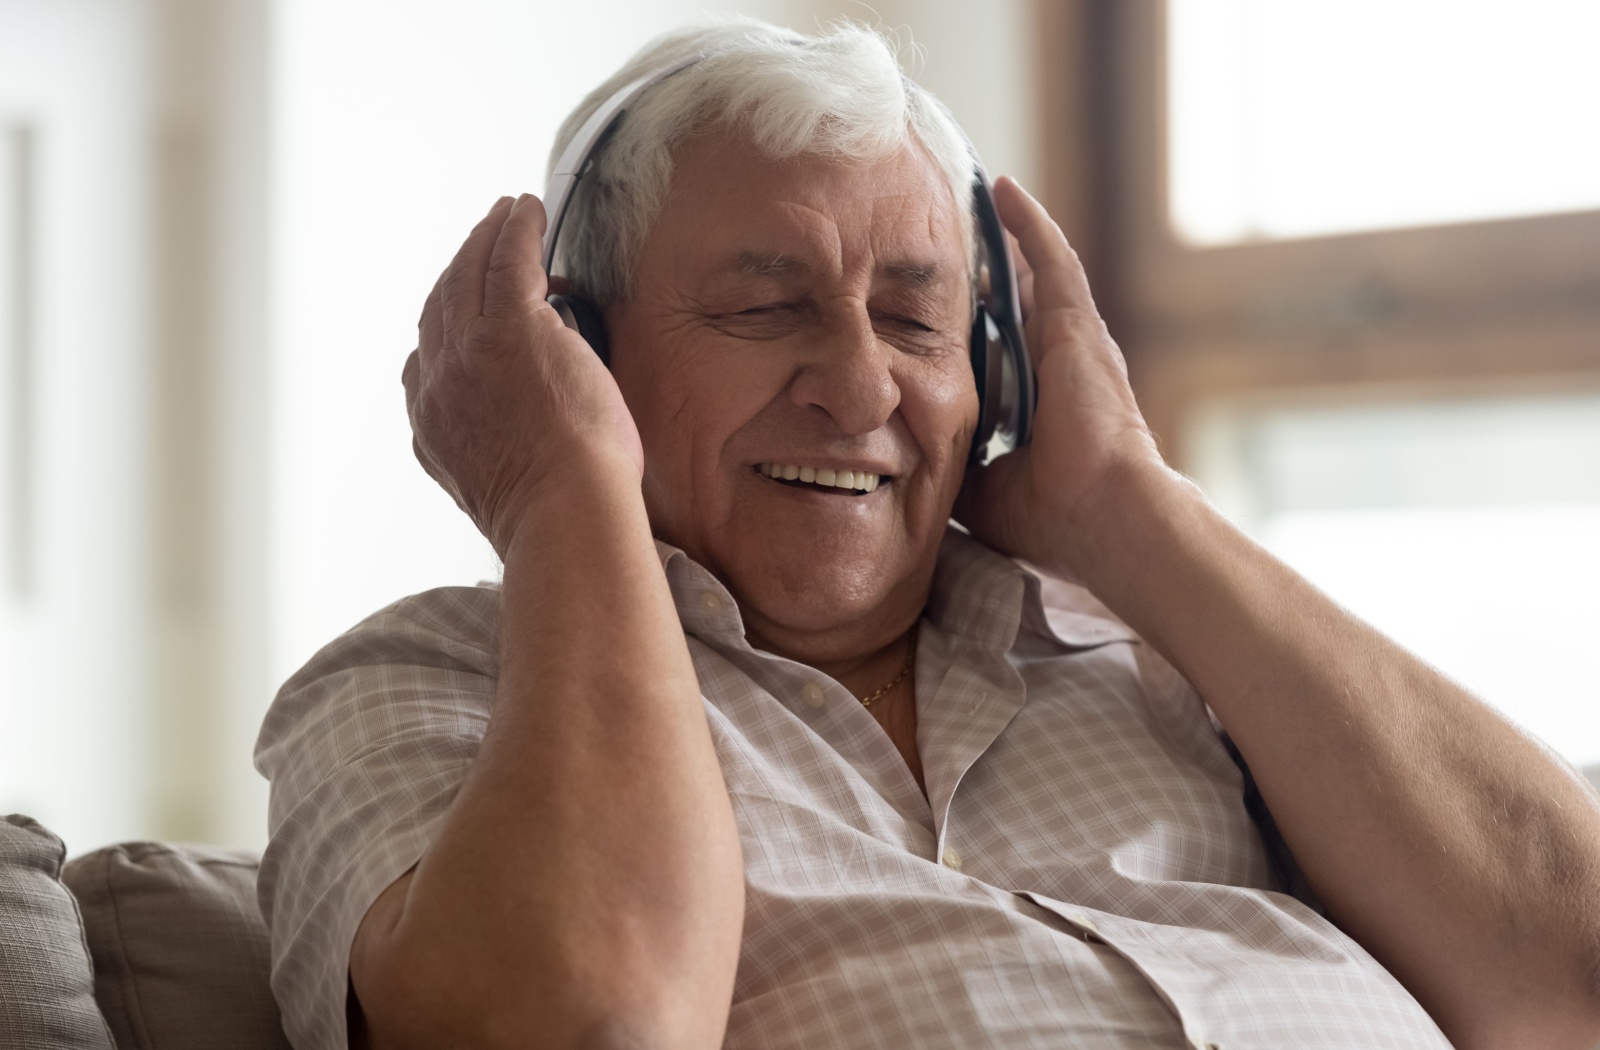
1464 528
1296 119
74 653
1352 253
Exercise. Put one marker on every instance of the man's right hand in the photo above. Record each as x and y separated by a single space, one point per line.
502 396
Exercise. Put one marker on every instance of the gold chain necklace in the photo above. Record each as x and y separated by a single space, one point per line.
905 669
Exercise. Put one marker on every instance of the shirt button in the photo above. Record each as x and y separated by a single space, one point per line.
813 694
1083 922
711 601
952 859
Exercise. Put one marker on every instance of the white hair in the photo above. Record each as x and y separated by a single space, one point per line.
840 94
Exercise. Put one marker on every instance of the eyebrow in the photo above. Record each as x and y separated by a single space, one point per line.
920 274
756 264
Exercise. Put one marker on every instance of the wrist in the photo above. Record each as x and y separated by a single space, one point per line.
584 490
1112 525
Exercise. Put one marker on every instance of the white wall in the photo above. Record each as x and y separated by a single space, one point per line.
978 58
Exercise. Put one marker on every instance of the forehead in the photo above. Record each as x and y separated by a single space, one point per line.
729 208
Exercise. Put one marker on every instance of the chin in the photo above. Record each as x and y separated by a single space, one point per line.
833 614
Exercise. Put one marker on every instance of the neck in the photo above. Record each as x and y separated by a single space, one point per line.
860 672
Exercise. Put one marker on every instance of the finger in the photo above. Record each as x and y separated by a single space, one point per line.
411 375
411 379
515 276
1024 276
1058 279
430 326
462 288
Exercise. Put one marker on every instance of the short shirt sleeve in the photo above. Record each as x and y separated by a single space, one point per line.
365 748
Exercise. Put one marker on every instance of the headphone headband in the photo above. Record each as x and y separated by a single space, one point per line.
574 161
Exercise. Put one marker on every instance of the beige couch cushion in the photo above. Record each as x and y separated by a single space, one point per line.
181 953
46 983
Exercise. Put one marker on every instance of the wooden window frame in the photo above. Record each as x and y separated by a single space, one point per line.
1425 310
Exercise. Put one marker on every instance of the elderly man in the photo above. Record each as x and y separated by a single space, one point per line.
736 756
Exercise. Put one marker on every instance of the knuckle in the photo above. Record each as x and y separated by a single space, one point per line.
485 336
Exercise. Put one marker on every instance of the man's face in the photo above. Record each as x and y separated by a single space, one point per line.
810 313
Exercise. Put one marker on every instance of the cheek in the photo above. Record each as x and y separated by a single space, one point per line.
943 416
646 381
689 402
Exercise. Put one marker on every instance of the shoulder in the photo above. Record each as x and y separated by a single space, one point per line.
423 665
444 626
365 747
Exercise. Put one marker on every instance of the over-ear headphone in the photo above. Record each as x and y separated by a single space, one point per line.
999 354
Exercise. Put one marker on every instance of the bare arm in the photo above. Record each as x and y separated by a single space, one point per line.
1439 836
1453 847
585 889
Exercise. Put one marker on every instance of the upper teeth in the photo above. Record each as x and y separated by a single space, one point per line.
864 480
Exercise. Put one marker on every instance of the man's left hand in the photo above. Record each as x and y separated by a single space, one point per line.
1088 432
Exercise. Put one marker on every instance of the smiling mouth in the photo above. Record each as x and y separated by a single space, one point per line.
838 482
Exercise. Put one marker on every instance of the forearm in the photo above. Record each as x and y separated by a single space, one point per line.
588 873
1439 836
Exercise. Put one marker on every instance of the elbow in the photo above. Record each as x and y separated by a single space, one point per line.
419 1010
417 996
1552 1002
426 977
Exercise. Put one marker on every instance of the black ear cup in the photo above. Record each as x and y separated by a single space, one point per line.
999 353
978 348
583 317
994 370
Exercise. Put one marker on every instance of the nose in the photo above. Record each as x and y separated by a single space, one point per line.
848 373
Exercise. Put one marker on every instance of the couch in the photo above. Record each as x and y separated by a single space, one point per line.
138 946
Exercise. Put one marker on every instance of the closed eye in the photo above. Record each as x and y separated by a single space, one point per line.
908 322
765 320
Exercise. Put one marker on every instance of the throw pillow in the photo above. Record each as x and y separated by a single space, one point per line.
182 957
46 979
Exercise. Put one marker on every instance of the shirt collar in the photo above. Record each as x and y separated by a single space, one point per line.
986 598
705 607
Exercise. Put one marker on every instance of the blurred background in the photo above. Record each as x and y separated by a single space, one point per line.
1351 249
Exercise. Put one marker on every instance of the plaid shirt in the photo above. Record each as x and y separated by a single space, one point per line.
1082 872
